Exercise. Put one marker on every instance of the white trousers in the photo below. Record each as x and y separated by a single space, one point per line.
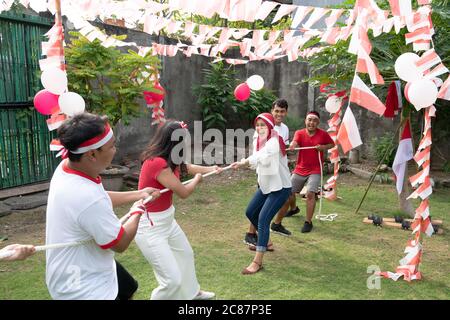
167 249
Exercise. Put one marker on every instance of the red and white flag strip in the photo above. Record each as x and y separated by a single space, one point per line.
363 96
420 176
422 155
429 59
437 71
401 7
423 191
55 121
330 188
444 92
348 135
366 65
423 211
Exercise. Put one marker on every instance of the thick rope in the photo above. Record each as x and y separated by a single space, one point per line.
320 216
8 253
186 182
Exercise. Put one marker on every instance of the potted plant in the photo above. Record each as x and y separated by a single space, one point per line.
111 83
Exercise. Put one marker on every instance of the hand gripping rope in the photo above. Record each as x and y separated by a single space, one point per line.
9 253
320 216
147 200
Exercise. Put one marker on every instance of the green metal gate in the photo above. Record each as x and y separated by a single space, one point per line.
25 157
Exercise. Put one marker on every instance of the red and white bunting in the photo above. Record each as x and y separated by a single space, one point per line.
265 9
401 8
437 71
300 14
366 65
334 16
421 34
428 60
315 16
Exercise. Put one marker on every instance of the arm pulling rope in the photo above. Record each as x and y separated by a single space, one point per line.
8 253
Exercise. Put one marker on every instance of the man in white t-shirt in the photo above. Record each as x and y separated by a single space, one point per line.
279 112
79 209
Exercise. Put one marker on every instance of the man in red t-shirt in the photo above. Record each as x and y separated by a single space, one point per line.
307 169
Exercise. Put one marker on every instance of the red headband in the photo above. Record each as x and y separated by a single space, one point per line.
91 144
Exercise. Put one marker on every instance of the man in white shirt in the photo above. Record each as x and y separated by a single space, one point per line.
279 112
78 209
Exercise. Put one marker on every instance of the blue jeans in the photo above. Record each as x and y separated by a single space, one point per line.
261 210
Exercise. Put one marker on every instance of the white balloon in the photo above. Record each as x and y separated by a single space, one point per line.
71 103
406 68
54 80
333 104
255 82
422 93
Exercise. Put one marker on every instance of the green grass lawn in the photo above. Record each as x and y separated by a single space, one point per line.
329 263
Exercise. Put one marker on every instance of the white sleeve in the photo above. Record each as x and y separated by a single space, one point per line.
101 223
286 135
265 155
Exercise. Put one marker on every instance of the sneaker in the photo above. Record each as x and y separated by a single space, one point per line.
251 239
204 295
278 228
307 227
290 213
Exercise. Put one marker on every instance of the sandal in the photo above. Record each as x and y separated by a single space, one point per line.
245 271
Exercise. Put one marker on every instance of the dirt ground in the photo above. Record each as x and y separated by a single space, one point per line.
27 227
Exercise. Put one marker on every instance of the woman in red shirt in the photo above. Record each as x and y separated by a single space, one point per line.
159 236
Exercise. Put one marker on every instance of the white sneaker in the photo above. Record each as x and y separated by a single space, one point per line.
204 295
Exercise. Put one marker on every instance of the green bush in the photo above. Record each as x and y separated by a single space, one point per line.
446 167
216 97
294 123
381 145
109 81
260 101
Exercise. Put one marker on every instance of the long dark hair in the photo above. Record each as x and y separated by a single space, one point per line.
161 145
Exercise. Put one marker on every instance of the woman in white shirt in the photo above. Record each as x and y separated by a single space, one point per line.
269 159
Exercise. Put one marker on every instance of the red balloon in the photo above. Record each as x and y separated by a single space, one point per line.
45 102
242 92
148 98
406 91
155 96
